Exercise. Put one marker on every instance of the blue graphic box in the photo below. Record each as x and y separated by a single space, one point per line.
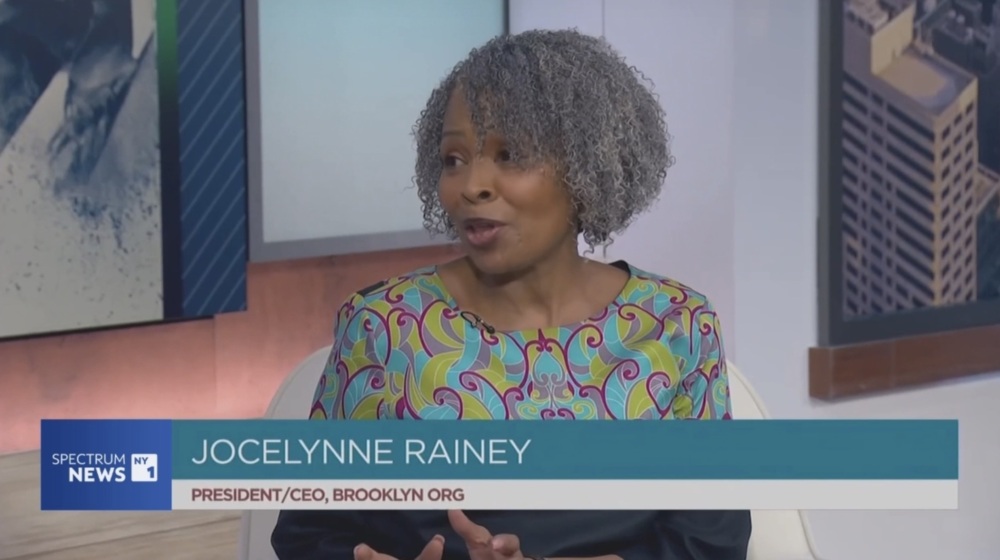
106 465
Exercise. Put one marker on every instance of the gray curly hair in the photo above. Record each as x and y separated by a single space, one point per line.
564 98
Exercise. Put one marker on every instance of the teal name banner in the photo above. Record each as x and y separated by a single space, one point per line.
553 450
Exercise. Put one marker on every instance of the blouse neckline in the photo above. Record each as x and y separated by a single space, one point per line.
617 302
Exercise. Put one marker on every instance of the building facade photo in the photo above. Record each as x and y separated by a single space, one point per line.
919 155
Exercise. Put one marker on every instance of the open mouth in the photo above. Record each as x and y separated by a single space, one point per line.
481 233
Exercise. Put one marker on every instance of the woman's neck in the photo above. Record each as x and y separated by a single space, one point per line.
561 289
541 290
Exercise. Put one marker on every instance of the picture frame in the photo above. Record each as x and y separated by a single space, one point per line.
909 192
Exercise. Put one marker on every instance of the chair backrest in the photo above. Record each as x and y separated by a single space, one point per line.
777 534
291 402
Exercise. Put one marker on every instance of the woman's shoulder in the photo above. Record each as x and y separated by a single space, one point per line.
665 293
413 290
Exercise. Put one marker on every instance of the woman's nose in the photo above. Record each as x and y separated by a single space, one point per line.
481 194
479 188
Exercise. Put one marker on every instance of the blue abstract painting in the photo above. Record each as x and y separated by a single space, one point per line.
101 222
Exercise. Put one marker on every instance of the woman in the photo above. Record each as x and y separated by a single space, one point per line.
531 141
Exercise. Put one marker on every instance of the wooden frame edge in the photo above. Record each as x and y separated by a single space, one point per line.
875 367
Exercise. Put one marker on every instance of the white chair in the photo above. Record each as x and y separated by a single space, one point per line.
777 535
291 402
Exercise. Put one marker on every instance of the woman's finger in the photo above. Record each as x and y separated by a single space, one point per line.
506 545
474 535
434 549
364 552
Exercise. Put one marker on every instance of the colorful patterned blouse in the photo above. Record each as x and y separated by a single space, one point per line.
404 350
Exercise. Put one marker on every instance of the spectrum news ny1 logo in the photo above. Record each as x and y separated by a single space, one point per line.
109 467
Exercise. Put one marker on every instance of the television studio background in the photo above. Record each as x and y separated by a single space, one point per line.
190 189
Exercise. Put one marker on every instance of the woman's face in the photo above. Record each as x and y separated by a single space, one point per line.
508 218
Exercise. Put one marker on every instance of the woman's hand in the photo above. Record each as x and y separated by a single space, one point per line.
482 544
433 551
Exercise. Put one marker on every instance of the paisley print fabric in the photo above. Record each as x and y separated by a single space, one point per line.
403 350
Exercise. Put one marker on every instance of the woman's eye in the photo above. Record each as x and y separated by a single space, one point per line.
451 161
505 156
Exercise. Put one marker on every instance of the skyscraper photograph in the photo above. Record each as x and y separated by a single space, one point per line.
919 154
